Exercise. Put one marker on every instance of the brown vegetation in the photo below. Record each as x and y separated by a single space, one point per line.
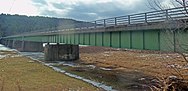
156 64
18 73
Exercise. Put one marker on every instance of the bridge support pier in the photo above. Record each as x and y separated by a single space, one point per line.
29 46
23 46
9 43
64 52
5 42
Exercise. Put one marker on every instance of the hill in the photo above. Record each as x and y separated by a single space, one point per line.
16 24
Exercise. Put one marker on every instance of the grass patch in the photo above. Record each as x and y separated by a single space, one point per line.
21 74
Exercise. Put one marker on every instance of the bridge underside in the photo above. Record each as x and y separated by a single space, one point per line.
24 46
163 30
158 30
139 39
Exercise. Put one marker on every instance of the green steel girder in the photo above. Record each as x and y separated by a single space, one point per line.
141 39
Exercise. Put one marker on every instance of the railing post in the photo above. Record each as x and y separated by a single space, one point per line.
146 20
87 25
104 23
95 24
115 21
23 43
166 14
80 25
129 19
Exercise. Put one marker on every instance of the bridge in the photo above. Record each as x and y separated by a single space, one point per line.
163 30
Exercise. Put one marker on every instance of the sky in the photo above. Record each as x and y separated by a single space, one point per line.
87 10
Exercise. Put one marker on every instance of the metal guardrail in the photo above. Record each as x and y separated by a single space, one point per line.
128 20
148 17
140 18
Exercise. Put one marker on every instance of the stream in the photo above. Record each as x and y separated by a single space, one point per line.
39 56
105 78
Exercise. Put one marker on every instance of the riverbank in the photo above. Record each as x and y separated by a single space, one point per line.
134 69
19 73
148 62
107 68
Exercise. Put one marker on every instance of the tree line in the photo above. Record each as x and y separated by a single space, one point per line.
16 24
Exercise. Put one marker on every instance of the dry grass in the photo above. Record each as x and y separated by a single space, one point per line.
151 64
154 64
21 74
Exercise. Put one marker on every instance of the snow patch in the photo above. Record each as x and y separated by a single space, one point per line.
106 69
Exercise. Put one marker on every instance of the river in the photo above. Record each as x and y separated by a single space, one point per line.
105 78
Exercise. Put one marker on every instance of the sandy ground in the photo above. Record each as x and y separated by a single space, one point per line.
18 73
150 63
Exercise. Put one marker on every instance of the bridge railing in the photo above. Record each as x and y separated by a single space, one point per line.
142 18
123 20
128 20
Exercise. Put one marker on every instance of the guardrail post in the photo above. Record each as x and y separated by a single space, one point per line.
129 19
23 43
87 25
95 24
104 23
146 20
115 21
80 26
166 14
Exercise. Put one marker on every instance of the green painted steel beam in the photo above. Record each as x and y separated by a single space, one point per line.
115 39
93 39
86 39
166 41
106 39
81 38
151 40
143 39
137 40
98 39
125 39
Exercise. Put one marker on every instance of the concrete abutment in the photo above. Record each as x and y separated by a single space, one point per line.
64 52
29 46
57 52
24 46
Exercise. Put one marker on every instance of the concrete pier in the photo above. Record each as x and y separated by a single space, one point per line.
9 43
24 46
29 46
58 52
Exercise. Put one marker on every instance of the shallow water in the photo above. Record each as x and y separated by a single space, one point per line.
40 56
106 78
123 81
3 48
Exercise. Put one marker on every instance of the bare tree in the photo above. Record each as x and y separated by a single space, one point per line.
174 26
183 3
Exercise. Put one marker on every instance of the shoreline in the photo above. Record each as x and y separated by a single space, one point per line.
142 67
28 75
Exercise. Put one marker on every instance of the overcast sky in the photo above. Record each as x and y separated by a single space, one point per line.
76 9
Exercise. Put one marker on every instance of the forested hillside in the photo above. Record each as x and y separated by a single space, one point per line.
16 24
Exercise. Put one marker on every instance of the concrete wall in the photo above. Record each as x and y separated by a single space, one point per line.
60 52
33 46
24 46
